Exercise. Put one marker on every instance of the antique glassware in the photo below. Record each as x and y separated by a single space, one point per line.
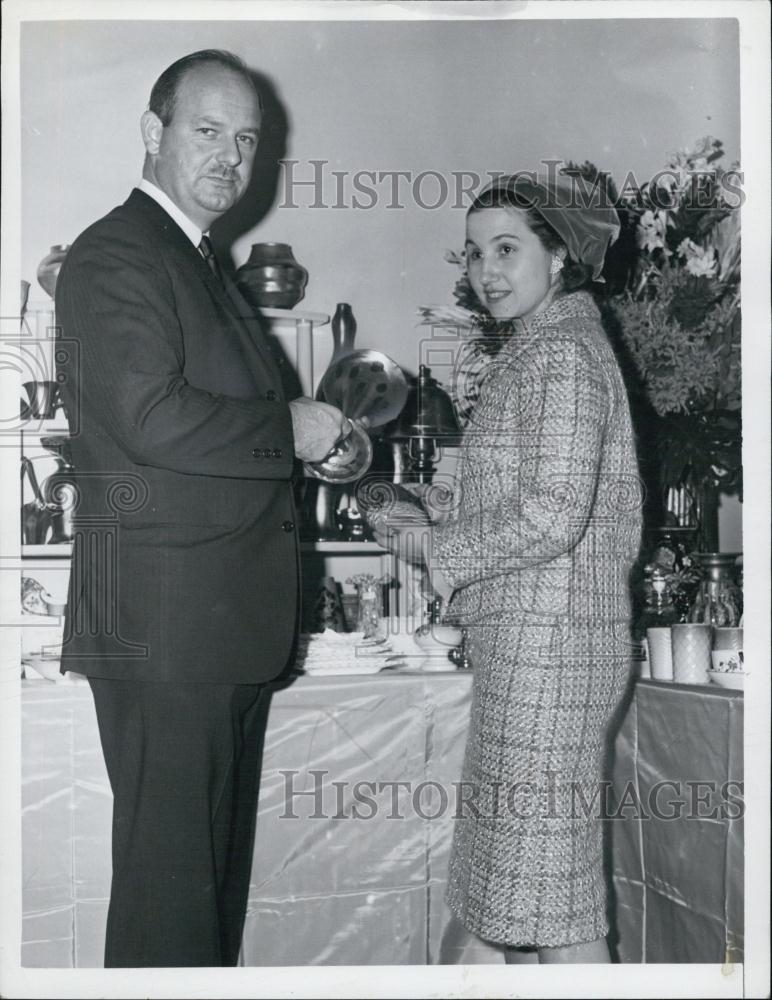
719 599
370 610
713 607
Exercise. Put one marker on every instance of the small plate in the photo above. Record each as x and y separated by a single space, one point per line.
734 680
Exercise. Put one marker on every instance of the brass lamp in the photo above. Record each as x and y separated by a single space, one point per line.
427 421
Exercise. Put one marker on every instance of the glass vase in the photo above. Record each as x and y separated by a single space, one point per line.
369 611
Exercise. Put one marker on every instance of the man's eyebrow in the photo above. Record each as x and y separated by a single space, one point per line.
211 120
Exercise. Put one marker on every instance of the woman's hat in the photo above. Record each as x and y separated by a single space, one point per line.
581 215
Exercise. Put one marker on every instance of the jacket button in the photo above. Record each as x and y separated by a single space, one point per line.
271 395
276 453
288 526
257 453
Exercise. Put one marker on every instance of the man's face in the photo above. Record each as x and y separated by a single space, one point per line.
203 158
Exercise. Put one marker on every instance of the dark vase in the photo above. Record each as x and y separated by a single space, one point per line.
59 490
271 277
48 268
344 328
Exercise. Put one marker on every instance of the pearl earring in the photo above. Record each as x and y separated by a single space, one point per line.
556 266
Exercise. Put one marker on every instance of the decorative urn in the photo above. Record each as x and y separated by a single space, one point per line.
271 277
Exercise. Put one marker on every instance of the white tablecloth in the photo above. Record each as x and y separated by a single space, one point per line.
328 888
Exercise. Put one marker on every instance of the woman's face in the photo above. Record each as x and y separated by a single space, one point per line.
508 266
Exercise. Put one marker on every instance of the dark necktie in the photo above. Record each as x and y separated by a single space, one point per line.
207 252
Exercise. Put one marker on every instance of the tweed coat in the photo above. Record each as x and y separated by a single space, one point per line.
185 549
539 548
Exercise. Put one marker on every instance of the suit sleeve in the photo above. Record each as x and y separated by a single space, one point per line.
539 468
118 302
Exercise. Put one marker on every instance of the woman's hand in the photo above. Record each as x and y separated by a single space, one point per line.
405 531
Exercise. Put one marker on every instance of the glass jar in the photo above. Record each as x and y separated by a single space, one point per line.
719 599
370 610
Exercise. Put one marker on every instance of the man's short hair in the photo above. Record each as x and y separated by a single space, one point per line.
163 96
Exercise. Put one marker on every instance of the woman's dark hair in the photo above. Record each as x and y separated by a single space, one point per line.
573 275
163 96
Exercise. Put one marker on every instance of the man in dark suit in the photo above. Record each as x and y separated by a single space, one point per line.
183 596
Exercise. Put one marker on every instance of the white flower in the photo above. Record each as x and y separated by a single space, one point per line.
651 231
701 267
700 261
668 181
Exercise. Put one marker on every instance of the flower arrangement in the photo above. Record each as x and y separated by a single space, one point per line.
679 317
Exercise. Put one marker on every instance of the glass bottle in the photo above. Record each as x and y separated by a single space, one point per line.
660 610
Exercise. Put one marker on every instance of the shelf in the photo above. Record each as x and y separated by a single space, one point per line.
290 317
350 548
34 428
62 550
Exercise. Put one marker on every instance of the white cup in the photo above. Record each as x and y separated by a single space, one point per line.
660 653
726 661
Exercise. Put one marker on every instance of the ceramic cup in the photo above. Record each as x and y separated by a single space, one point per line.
727 661
728 638
691 652
660 653
727 655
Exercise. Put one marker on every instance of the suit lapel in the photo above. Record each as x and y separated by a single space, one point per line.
257 354
252 338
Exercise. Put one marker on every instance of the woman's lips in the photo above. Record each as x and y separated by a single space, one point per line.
496 296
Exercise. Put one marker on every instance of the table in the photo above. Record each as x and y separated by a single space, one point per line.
350 866
678 882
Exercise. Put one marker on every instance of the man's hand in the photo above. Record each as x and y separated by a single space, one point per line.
317 428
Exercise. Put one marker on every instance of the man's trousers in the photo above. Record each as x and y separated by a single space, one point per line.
183 762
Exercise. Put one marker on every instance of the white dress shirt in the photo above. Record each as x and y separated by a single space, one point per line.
190 229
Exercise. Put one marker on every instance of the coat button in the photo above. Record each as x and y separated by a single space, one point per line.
271 395
288 526
257 453
276 453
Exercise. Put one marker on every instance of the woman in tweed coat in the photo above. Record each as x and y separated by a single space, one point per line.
537 555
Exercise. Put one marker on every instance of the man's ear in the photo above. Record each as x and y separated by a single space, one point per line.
152 130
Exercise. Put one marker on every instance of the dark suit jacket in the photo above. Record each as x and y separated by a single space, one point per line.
185 552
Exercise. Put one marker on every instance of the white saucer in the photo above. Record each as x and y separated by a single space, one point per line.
734 680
